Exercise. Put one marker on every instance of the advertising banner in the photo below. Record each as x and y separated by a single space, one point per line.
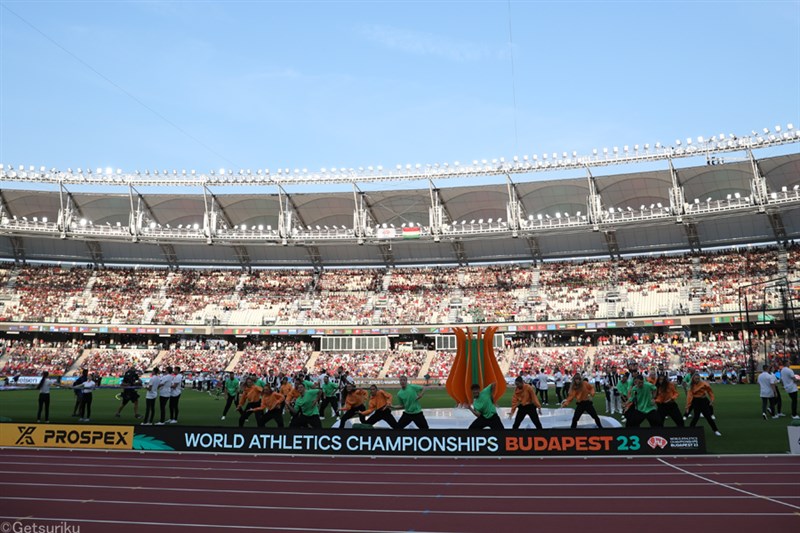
67 436
418 443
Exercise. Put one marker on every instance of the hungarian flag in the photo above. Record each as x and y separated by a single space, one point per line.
411 233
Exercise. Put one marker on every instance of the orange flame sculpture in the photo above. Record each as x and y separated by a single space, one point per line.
475 363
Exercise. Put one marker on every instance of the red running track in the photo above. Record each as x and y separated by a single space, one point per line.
148 491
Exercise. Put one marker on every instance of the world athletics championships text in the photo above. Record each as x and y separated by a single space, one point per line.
335 443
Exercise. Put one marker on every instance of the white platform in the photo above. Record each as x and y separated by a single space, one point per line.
455 418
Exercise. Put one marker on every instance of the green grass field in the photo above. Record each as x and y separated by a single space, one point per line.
737 408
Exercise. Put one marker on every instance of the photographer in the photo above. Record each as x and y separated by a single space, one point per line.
130 382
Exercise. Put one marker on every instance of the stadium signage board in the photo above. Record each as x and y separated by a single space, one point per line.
433 443
394 330
66 436
417 443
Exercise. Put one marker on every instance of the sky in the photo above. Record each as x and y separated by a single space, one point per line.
264 85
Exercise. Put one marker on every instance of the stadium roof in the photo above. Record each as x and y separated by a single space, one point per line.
742 202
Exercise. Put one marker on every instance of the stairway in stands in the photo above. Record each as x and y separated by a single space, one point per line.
234 361
312 361
427 364
386 365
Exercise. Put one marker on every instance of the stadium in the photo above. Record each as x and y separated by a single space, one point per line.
702 275
376 266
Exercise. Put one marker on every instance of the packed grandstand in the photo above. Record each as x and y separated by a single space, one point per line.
647 274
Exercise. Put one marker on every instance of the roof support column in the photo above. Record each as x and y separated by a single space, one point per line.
692 236
285 218
65 211
136 215
361 215
533 246
18 248
209 216
514 209
594 203
436 214
611 242
677 200
759 193
758 185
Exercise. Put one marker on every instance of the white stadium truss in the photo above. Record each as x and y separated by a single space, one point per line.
723 202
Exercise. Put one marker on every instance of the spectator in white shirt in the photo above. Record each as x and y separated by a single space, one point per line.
767 386
44 397
559 378
164 394
542 386
88 387
175 395
789 382
150 397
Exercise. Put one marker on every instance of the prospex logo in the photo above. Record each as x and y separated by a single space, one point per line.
67 436
88 437
26 435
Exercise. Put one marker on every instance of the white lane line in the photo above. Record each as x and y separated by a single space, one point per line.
384 511
350 482
373 495
217 527
727 486
270 460
426 472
